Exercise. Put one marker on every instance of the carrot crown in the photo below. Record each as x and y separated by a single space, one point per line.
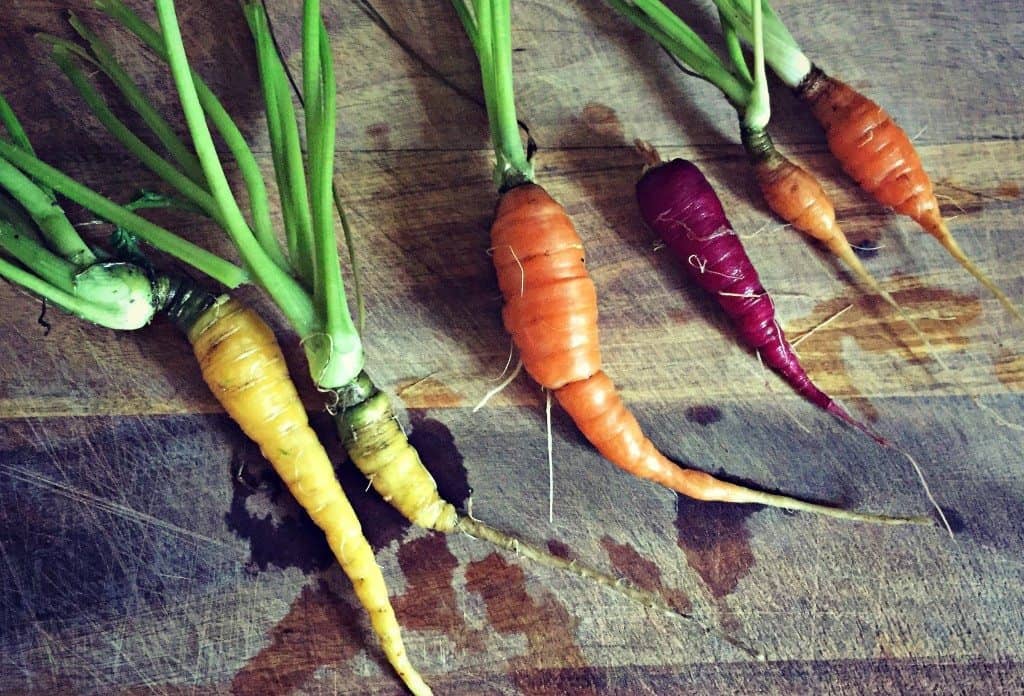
41 251
488 25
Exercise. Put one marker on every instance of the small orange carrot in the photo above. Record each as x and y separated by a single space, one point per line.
796 196
879 156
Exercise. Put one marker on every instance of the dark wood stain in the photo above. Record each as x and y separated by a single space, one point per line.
320 629
429 602
603 122
284 536
643 572
715 539
380 134
436 445
703 414
559 548
1008 366
1008 189
955 519
941 314
553 662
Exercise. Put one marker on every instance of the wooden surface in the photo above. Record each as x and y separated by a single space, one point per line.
146 548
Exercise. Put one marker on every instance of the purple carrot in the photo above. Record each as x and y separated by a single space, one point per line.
678 203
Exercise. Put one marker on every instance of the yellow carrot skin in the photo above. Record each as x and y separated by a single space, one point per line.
245 369
381 451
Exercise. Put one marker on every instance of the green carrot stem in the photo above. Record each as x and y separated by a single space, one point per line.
92 299
275 129
53 224
683 43
13 126
508 124
334 359
15 215
44 263
353 257
332 297
202 260
734 47
781 50
161 167
259 204
103 57
758 111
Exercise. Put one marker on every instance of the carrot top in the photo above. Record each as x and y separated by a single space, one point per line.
488 25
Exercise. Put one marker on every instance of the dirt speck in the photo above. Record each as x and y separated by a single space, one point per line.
703 414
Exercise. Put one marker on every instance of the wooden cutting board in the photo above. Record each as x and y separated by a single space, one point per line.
147 548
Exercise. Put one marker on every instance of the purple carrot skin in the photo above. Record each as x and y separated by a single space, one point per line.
678 203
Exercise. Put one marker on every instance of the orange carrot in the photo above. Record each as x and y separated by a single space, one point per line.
878 154
551 312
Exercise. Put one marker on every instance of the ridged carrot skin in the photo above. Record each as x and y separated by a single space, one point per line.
245 369
381 451
879 156
551 312
871 148
679 204
793 194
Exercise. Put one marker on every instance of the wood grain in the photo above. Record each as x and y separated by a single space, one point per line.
146 549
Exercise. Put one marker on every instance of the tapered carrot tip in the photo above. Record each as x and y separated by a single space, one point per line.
936 227
842 414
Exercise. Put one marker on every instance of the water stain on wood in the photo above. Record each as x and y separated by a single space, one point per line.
703 414
716 542
602 121
643 573
380 133
942 315
955 519
559 548
429 601
548 628
320 630
1009 369
436 445
263 513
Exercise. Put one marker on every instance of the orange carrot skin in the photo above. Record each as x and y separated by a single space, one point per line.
793 194
871 148
551 312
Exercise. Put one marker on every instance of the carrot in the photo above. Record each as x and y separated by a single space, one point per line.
550 303
366 422
678 203
245 369
863 137
790 191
